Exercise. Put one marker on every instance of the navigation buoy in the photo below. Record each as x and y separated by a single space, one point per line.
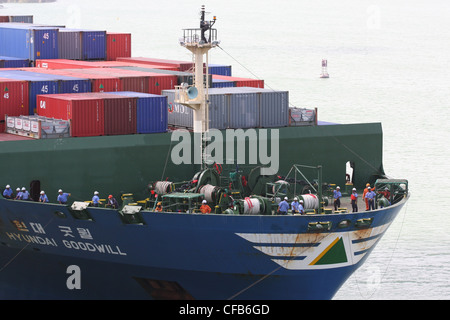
324 69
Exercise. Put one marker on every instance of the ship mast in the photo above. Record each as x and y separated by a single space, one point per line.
199 41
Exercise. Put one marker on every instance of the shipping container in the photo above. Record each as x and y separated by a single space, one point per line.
151 111
120 114
75 64
118 45
217 83
85 112
219 69
4 19
28 41
241 82
14 99
82 44
13 62
242 107
181 65
21 19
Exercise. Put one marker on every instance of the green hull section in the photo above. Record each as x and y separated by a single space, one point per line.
127 164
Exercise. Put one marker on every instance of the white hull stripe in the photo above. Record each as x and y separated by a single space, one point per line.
308 251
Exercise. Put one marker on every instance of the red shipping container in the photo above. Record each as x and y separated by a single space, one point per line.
120 113
4 18
241 82
117 45
182 65
14 99
85 112
75 64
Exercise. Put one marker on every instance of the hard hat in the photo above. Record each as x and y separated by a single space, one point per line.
285 198
42 192
18 189
301 201
368 188
204 201
354 189
110 196
295 199
8 186
60 190
338 187
23 189
158 204
95 192
368 185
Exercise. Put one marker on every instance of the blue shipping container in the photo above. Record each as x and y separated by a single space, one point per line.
13 62
219 69
219 83
151 111
78 44
28 41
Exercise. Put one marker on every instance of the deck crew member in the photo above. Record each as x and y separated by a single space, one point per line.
387 194
337 195
159 207
205 208
96 199
364 195
18 194
283 206
354 199
112 202
43 197
294 205
25 194
370 196
8 193
62 197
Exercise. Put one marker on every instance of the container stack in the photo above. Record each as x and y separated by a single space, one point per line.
82 44
234 108
98 114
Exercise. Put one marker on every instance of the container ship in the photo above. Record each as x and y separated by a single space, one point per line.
167 179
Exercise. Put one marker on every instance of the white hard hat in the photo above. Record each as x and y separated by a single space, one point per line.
42 192
95 192
285 198
8 186
338 187
204 201
60 190
301 201
295 199
23 189
354 189
18 189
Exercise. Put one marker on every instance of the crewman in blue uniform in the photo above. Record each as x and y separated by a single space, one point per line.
43 197
8 193
96 199
337 195
370 196
283 207
18 194
297 207
25 194
62 197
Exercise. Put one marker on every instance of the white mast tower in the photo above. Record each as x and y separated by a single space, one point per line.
199 42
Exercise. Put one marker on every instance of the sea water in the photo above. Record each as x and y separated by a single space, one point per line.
388 62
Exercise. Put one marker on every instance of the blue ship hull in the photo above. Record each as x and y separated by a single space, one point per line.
179 256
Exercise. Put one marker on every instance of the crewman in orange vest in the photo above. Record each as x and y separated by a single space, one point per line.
364 196
205 208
